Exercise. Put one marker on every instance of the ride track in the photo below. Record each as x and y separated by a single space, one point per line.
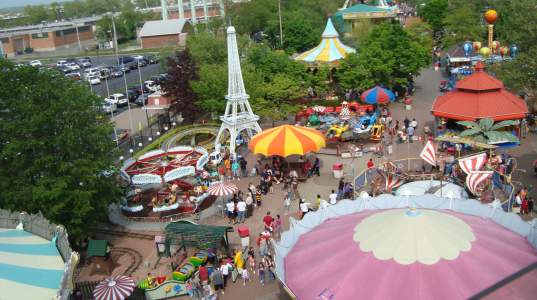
201 129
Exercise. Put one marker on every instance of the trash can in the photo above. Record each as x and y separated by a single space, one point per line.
244 234
337 168
408 104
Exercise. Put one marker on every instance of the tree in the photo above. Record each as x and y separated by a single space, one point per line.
352 74
181 71
36 14
516 23
207 48
55 147
211 87
434 12
462 23
485 131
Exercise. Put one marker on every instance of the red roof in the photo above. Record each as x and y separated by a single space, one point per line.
479 96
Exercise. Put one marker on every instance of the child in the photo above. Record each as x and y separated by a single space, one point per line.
287 204
245 276
258 198
189 288
262 274
251 261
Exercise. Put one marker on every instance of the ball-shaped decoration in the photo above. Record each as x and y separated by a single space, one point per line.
485 51
504 51
495 45
491 16
467 47
477 46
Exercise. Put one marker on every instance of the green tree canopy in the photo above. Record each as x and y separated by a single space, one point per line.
56 149
434 12
463 23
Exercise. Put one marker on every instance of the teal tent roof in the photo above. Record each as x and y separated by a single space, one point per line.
330 30
194 235
97 248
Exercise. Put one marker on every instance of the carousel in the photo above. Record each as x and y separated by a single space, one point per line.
163 183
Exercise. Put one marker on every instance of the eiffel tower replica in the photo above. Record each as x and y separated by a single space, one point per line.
239 116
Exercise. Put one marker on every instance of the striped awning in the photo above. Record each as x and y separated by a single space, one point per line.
330 50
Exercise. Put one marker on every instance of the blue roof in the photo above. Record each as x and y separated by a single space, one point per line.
330 30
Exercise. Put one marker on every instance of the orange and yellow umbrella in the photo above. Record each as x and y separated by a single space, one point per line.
287 140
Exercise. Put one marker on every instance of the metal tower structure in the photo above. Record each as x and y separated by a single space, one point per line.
181 9
164 9
239 115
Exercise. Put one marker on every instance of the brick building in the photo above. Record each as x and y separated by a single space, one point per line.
48 37
155 34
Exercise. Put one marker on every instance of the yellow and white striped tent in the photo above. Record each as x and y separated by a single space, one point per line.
330 50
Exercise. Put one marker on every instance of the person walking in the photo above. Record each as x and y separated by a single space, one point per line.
277 227
410 133
249 205
268 221
263 246
333 197
244 167
287 204
241 210
245 276
370 164
235 170
406 122
218 280
230 207
225 269
227 166
261 269
304 208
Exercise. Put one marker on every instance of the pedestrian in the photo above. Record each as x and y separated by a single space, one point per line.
277 226
244 167
230 207
270 268
245 276
406 122
222 172
333 197
287 203
203 274
241 210
252 189
251 260
196 288
263 245
294 186
410 133
227 166
261 269
249 205
225 269
268 221
414 124
218 280
258 198
340 186
304 208
235 170
370 164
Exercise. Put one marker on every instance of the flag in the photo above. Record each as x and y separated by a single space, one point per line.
428 153
473 163
475 178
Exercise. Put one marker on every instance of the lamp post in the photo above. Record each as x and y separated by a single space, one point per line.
143 101
111 111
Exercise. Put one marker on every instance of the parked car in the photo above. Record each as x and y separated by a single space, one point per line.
151 85
142 99
93 79
142 62
117 99
72 66
124 68
36 63
152 59
132 94
133 65
125 59
91 72
116 72
84 62
61 63
73 75
109 107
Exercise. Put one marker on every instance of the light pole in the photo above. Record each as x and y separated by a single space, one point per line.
280 16
124 78
111 111
143 102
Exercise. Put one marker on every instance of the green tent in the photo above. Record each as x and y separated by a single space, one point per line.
199 236
97 248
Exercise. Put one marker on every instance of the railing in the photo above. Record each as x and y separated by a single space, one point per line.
164 219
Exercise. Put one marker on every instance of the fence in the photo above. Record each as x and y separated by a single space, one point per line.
40 226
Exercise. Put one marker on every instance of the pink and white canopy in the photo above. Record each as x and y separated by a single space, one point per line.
473 163
475 178
428 153
222 189
328 260
114 288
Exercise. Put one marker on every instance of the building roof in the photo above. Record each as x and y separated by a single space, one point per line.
97 248
329 30
479 96
47 27
363 8
162 27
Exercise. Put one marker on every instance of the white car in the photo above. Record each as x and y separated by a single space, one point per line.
36 63
61 63
109 107
152 86
93 80
92 72
117 99
72 67
84 63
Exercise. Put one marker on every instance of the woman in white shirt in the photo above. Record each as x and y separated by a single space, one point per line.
304 207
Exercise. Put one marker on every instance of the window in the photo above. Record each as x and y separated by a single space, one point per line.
4 40
40 35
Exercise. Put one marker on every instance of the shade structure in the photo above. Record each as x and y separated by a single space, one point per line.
319 108
479 96
287 140
222 189
473 162
377 95
330 50
336 265
114 288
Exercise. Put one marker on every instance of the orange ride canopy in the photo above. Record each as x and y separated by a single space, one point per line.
479 96
287 140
